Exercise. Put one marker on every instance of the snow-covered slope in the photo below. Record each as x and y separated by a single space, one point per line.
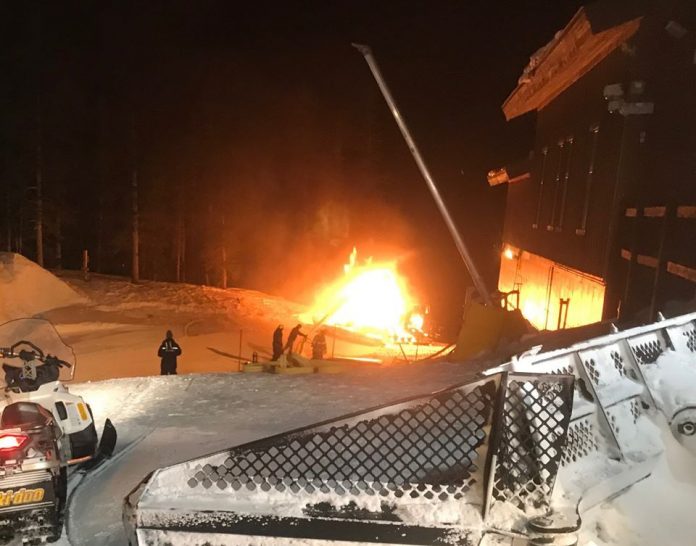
117 334
116 328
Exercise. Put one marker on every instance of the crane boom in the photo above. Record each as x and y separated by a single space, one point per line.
458 241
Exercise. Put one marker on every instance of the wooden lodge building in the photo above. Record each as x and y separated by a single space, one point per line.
601 218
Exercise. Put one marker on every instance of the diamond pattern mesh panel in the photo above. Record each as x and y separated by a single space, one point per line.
625 413
683 337
647 348
564 365
690 335
535 416
430 448
581 441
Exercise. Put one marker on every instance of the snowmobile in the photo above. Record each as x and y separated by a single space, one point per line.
44 431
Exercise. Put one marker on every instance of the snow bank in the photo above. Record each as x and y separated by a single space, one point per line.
27 289
656 511
672 381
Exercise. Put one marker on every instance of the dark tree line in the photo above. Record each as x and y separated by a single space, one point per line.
169 159
258 143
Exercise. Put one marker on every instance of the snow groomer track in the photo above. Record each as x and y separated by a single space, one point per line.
515 457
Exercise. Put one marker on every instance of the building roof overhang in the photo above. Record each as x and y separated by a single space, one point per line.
573 52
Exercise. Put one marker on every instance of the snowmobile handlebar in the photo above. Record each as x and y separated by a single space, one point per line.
34 354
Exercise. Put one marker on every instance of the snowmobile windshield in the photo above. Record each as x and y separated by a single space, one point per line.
39 337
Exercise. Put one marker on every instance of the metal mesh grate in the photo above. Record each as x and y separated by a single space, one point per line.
690 335
581 440
617 359
623 417
647 352
566 366
563 370
592 370
535 416
631 406
429 448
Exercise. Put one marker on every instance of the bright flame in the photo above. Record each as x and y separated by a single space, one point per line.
372 299
508 253
416 321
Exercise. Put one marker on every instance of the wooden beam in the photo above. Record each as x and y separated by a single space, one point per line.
649 261
654 212
686 212
682 271
520 178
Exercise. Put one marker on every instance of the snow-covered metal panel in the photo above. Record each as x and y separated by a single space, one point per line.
619 382
429 448
421 471
683 336
534 414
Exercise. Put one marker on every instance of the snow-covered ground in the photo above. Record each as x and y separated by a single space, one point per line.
164 420
116 327
118 332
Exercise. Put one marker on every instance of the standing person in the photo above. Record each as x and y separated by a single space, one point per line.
293 336
277 342
169 351
319 345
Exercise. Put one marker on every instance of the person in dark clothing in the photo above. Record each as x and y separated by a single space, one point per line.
293 336
169 351
277 342
319 345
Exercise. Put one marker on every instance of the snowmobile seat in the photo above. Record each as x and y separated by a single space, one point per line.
24 415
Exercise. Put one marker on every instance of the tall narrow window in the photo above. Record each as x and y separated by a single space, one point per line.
557 182
564 192
594 131
544 157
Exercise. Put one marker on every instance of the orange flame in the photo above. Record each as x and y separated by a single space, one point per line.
372 299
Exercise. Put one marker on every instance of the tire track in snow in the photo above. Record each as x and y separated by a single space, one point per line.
81 477
103 490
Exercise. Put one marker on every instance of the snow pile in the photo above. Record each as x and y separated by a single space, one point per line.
672 380
655 511
112 294
536 59
27 289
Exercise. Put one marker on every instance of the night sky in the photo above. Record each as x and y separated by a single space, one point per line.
260 126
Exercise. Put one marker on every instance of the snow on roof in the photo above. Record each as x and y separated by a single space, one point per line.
571 53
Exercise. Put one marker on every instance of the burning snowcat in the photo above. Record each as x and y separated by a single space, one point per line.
44 430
